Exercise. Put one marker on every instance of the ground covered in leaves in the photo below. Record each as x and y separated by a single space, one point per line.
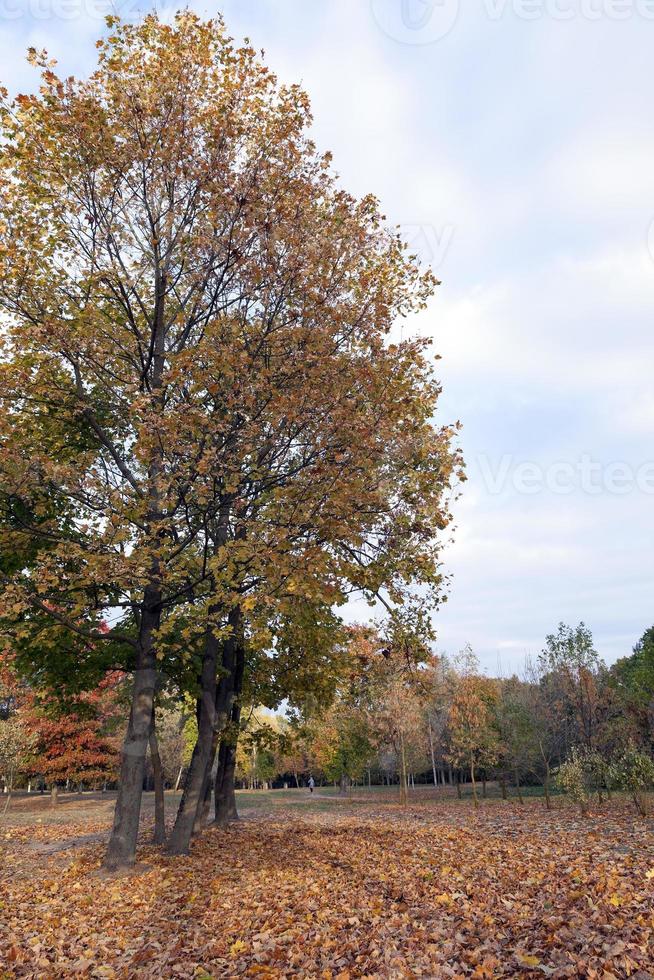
323 888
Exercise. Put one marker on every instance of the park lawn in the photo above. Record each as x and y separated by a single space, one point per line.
322 887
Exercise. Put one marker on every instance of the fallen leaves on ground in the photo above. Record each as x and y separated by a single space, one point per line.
350 891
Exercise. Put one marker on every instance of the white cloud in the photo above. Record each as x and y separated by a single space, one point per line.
604 170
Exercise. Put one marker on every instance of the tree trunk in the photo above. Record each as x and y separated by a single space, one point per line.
121 851
202 816
227 691
403 775
518 787
192 805
431 750
179 779
546 787
225 794
195 784
159 805
640 803
225 810
475 798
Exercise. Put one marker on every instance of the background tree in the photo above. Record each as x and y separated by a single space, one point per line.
474 736
548 722
77 742
16 734
397 716
633 771
16 746
342 744
438 683
516 733
173 741
633 679
570 656
72 749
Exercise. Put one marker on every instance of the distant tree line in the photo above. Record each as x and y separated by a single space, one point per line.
569 723
395 715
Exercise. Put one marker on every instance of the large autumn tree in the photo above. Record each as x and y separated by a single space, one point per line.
202 416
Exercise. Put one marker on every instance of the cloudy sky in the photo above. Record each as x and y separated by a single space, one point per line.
514 142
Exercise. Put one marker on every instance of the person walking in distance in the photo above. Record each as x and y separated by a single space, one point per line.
311 784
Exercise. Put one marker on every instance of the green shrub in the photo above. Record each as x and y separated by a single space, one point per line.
574 777
633 772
